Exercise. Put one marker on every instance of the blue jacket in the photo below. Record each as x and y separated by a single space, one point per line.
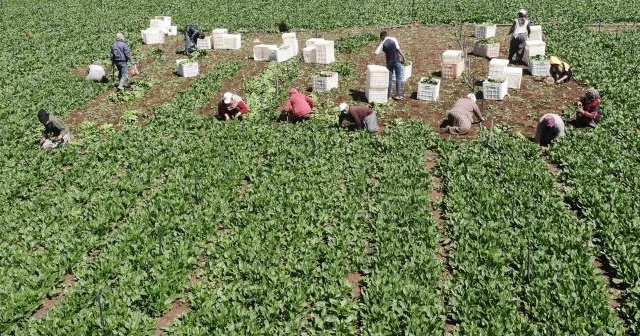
120 52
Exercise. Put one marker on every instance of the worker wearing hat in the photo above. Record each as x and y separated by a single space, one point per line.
550 128
462 115
55 131
298 107
120 56
560 71
231 106
588 108
362 117
519 32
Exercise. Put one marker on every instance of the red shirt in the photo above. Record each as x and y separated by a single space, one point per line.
299 104
236 103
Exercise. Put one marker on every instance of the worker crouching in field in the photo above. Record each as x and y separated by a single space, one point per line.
588 109
362 117
55 131
191 35
462 115
520 31
96 73
550 128
560 71
298 107
231 106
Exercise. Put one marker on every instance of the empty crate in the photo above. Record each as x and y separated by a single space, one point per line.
494 90
379 96
309 54
325 52
325 81
231 41
485 30
539 67
497 67
452 56
536 33
290 39
204 43
533 48
152 36
452 70
377 77
427 90
514 77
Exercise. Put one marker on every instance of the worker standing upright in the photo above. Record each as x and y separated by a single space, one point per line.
120 56
519 32
394 58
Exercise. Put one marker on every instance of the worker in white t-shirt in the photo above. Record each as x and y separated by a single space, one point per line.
519 32
96 73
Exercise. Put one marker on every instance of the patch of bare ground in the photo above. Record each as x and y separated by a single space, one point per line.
50 302
355 282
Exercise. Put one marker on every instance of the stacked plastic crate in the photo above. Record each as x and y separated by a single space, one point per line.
377 84
262 52
485 30
221 39
539 66
452 64
534 46
217 37
204 43
496 86
319 50
428 89
513 76
159 26
325 81
290 40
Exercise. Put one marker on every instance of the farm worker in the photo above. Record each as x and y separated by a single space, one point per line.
96 73
191 35
550 128
464 113
120 56
298 106
560 71
232 106
362 116
393 54
55 132
588 109
519 32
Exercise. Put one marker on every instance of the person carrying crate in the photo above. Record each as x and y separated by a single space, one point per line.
462 115
519 32
191 35
231 106
393 56
550 128
363 117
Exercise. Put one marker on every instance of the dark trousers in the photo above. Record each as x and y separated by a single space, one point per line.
516 48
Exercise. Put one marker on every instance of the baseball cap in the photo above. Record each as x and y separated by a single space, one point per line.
343 107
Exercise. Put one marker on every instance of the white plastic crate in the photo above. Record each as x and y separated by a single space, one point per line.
156 24
152 36
539 68
204 43
514 77
309 54
485 30
312 41
164 24
452 70
406 71
497 67
379 96
490 50
494 91
217 37
258 52
187 69
452 56
166 19
533 48
290 39
536 33
377 77
219 31
325 81
427 91
281 54
325 53
172 31
231 41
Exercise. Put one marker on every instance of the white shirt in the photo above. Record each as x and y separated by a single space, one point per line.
379 49
521 29
96 72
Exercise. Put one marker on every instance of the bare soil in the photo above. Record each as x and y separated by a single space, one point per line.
178 309
354 279
50 302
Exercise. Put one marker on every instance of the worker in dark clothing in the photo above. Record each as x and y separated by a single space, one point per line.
55 132
560 71
120 56
394 56
588 109
191 35
231 106
362 116
519 32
